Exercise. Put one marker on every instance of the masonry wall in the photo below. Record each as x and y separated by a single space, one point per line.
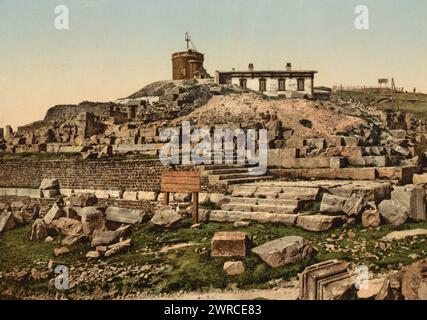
138 175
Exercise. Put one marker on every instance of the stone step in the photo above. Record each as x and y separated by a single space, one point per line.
262 217
235 176
208 167
282 209
245 180
279 202
226 171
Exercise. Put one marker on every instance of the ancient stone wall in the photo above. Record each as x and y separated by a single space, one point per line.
129 175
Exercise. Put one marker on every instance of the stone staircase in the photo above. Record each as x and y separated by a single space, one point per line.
231 174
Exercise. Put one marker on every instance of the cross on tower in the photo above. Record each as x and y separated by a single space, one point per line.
188 40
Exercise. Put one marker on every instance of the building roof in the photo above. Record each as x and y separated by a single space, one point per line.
267 72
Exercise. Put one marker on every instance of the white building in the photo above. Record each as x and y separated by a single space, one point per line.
276 83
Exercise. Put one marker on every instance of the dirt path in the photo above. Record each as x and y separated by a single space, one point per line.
290 293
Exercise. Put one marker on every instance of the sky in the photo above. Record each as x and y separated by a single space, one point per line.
115 47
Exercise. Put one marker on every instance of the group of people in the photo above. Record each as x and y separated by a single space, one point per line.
273 124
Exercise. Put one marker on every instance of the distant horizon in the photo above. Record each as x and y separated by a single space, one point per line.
113 49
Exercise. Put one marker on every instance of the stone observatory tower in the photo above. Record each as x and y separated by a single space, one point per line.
188 64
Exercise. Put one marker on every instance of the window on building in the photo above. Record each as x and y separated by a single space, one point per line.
243 83
262 85
282 84
301 85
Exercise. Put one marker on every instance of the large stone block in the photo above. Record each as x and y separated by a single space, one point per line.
229 244
54 213
332 203
318 223
83 200
283 251
127 216
393 213
411 197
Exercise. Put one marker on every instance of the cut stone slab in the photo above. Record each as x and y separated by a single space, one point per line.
283 251
147 196
204 198
234 268
420 179
297 193
130 196
400 235
48 184
354 205
182 197
103 238
83 200
393 213
241 224
229 244
54 213
167 218
412 197
93 255
7 222
319 223
127 216
332 203
71 241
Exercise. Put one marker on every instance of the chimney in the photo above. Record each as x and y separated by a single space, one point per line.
288 66
251 67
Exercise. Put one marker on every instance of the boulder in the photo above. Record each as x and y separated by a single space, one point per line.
118 248
71 213
48 184
39 230
104 238
229 244
55 212
83 200
167 218
371 218
122 215
283 251
318 223
332 203
393 213
234 268
61 251
92 219
7 222
412 197
68 227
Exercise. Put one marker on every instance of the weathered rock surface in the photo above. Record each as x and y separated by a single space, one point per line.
229 244
414 281
7 222
393 213
332 203
92 219
371 218
166 218
83 200
61 251
68 227
234 268
38 230
283 251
